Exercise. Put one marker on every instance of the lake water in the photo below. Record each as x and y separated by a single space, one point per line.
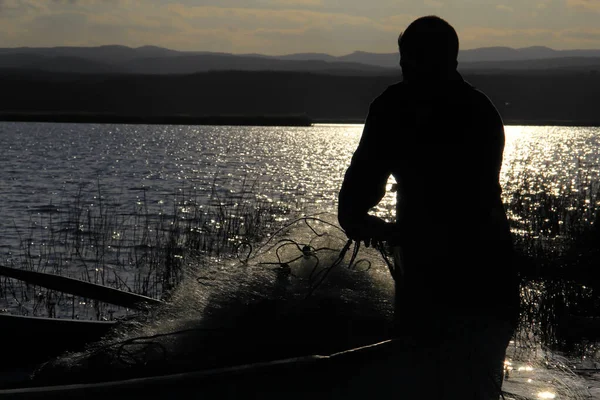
50 173
47 170
47 167
50 170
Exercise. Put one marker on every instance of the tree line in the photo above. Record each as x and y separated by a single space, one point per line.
560 97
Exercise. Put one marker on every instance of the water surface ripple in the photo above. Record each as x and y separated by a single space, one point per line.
49 167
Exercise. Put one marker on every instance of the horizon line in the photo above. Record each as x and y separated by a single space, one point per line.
281 55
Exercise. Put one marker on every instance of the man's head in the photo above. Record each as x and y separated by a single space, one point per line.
428 49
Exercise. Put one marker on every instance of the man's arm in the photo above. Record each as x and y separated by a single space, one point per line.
364 184
492 141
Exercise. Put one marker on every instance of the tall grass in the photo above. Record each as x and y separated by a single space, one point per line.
148 250
142 250
557 238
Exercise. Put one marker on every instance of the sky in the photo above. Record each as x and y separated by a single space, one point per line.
278 27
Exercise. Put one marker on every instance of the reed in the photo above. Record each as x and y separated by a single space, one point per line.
557 238
149 248
145 249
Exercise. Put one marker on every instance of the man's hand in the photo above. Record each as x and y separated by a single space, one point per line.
373 231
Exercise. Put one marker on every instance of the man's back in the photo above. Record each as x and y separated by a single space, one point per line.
446 152
458 296
443 143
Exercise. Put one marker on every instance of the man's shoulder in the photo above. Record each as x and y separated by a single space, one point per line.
401 90
482 105
476 94
400 93
392 93
394 90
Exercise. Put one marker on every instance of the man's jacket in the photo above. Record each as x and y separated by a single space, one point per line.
443 144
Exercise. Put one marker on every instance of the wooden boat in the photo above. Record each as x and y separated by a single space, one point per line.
33 339
81 288
366 372
318 377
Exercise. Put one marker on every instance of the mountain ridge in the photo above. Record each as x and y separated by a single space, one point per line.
159 60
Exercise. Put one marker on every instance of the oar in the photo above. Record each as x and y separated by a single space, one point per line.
81 288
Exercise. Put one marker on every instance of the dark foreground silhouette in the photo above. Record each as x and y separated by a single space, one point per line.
267 327
456 280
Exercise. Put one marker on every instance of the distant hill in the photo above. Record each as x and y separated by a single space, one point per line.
105 54
521 97
383 60
57 63
312 57
481 56
574 64
188 64
488 54
158 60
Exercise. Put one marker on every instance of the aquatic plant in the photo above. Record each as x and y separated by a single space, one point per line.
138 250
557 237
149 248
305 289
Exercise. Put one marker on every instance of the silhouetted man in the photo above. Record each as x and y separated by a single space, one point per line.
456 285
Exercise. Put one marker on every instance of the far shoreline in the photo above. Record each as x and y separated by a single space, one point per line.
507 122
298 120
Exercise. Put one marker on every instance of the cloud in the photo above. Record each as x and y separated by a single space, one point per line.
434 3
579 34
23 7
472 37
584 5
397 22
282 26
265 17
504 7
77 23
542 5
295 3
97 2
472 32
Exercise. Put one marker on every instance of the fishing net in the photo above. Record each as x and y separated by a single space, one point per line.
304 290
